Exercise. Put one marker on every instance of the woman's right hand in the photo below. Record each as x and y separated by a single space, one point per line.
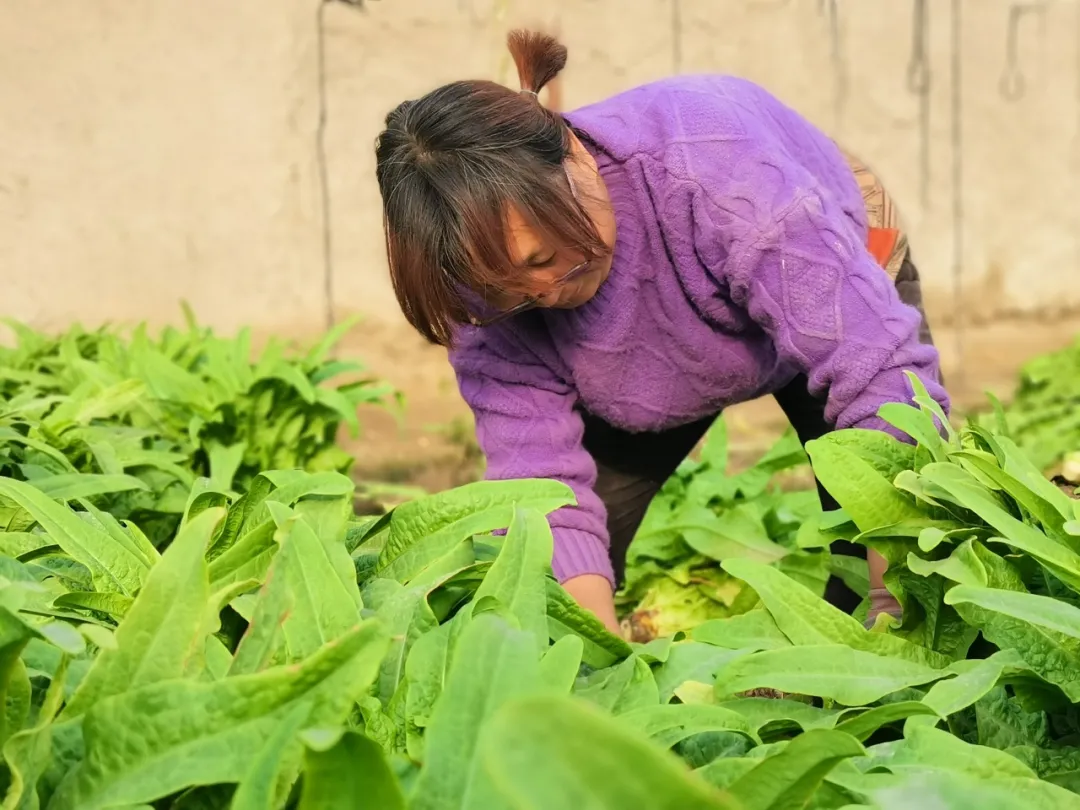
593 592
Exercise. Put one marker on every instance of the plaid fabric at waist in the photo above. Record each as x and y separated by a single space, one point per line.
886 239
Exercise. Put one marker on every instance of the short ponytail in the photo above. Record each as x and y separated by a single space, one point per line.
449 164
538 57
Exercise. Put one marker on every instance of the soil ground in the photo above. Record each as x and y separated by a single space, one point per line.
431 444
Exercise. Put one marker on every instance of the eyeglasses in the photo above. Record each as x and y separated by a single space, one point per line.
574 272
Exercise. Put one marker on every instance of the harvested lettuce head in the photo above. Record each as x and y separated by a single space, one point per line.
677 600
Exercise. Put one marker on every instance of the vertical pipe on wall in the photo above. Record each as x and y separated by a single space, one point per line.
676 36
1076 128
831 10
919 81
322 164
957 144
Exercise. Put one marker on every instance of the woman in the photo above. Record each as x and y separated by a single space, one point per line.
610 280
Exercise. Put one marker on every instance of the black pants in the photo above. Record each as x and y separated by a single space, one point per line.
631 467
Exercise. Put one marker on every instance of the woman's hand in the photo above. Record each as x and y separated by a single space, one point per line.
593 592
881 601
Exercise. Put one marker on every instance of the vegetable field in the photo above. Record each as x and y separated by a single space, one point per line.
134 422
194 617
1044 415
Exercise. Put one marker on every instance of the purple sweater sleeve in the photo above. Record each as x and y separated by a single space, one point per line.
527 427
785 251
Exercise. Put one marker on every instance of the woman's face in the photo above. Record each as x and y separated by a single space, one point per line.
546 266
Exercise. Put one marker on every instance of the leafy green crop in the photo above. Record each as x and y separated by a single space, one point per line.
703 515
129 423
282 652
1043 417
274 650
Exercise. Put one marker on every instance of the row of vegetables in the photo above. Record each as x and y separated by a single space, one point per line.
188 624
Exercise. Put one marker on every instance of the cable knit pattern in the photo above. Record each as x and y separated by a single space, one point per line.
740 262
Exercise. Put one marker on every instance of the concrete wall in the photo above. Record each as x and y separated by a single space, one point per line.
172 149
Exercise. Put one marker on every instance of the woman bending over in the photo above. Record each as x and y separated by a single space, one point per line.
609 280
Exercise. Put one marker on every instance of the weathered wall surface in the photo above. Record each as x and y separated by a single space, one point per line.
157 151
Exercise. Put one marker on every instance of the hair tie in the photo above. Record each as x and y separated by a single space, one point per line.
532 93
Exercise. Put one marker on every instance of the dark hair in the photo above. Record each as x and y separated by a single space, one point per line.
449 164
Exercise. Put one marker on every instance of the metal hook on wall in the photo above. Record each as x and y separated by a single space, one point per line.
1013 84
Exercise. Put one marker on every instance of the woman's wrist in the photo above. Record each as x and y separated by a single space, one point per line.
594 593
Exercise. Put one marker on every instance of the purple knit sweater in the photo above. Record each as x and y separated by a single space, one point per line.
740 261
